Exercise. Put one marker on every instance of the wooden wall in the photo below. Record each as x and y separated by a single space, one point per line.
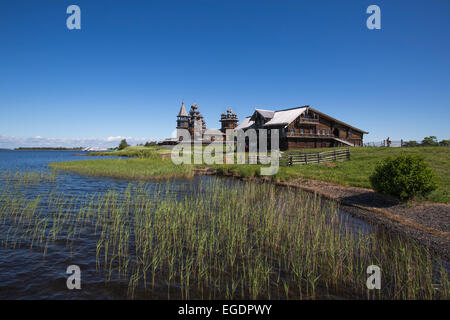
305 143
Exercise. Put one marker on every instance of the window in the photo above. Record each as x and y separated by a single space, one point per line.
302 131
329 131
311 131
323 131
292 130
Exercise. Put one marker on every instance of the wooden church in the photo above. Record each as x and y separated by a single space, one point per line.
195 124
299 128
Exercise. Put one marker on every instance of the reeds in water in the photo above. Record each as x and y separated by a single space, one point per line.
27 178
213 241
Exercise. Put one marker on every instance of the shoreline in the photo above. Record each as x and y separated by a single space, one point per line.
426 222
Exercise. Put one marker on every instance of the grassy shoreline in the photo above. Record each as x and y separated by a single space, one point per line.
134 169
148 164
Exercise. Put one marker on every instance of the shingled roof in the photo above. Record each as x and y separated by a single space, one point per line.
267 114
213 132
245 124
183 112
285 117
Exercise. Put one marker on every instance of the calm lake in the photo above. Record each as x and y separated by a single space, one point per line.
26 273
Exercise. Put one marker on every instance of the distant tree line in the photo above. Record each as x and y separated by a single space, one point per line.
430 141
49 148
150 144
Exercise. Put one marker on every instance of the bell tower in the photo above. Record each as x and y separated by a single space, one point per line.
182 119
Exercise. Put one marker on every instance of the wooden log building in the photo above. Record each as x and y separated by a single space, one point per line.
299 128
304 127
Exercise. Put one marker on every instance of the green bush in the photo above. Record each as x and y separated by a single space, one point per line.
403 177
123 144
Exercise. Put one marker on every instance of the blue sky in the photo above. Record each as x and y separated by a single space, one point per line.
125 73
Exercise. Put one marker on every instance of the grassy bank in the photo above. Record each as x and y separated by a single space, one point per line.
250 241
356 172
133 168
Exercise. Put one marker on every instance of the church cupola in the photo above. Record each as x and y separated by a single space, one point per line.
182 118
196 119
228 120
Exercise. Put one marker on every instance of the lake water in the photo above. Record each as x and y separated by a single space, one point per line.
27 274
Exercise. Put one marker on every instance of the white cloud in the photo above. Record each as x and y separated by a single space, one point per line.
38 141
118 138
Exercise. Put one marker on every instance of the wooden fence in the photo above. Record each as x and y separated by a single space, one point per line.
385 143
292 158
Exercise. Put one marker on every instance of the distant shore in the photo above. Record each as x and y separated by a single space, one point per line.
46 149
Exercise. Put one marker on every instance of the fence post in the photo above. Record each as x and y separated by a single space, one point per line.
290 160
334 153
348 154
318 156
306 159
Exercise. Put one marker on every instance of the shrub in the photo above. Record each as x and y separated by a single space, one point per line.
403 177
123 144
410 144
430 141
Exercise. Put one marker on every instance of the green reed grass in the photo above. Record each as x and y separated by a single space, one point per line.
251 241
27 178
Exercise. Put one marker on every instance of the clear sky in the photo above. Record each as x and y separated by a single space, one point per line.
125 73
